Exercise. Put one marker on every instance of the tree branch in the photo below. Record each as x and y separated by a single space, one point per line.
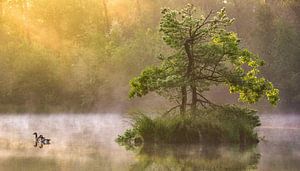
206 101
167 112
203 23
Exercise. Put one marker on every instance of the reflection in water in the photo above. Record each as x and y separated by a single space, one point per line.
195 157
86 142
281 148
79 142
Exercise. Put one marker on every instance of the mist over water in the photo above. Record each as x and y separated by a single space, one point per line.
281 148
78 142
86 142
79 56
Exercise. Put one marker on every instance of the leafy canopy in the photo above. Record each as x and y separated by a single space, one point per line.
205 54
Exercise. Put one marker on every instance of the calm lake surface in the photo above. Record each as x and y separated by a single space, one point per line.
86 142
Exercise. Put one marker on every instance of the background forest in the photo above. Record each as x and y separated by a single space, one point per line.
79 55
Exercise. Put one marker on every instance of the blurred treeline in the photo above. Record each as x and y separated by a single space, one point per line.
78 55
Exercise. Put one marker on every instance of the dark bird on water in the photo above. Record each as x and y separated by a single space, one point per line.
41 139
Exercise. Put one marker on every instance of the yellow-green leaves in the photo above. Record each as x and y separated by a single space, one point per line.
273 95
206 55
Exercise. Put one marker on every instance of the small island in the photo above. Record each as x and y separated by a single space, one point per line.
204 55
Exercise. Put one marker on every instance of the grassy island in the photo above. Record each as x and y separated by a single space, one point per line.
204 54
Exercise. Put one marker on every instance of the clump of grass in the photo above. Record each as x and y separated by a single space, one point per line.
227 124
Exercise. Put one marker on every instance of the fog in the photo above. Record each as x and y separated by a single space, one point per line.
87 141
74 56
79 141
65 67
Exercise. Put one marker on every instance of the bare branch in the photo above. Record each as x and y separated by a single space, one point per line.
167 112
206 101
203 23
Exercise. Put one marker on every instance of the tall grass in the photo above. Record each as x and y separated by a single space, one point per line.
227 124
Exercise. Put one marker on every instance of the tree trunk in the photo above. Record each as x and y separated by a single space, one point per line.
104 2
183 100
190 75
25 19
1 10
194 98
138 8
1 17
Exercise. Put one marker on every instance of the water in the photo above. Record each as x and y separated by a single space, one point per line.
86 142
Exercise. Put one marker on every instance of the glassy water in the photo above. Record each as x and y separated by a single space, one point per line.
86 142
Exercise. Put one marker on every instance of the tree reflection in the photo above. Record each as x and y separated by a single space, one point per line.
195 157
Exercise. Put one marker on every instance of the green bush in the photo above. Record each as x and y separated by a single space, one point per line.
227 124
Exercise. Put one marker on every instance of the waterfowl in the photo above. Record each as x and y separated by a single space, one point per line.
37 139
41 139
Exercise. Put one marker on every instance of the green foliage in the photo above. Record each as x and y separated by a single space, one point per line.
128 139
72 35
155 79
206 54
55 59
228 124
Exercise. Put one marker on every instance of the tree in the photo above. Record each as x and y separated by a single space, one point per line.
205 54
1 9
105 13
